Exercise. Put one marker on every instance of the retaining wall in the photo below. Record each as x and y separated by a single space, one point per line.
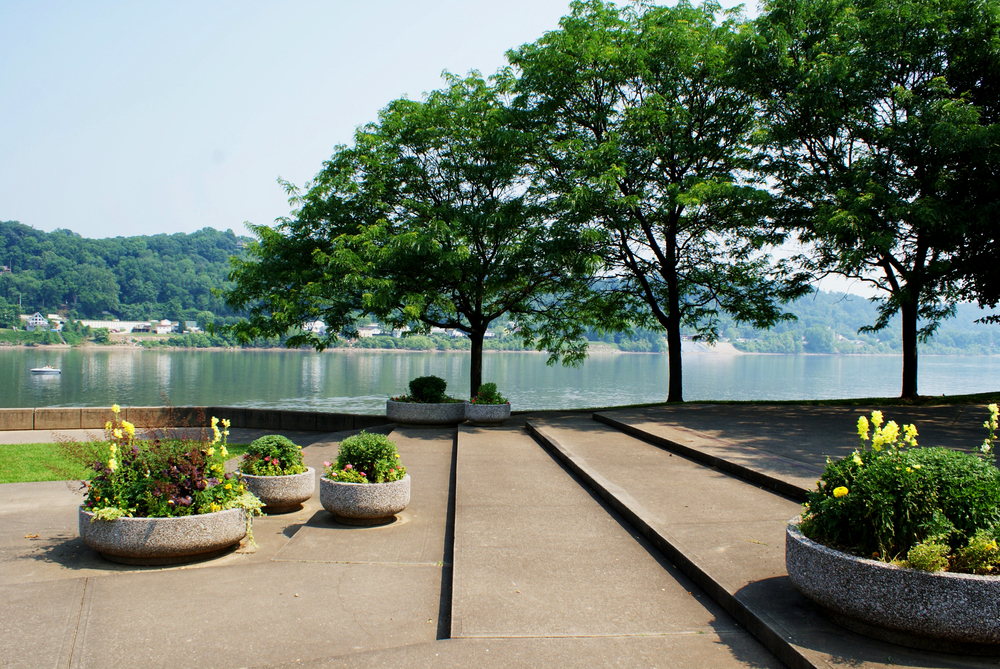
88 418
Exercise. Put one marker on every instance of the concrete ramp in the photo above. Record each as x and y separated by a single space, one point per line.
539 555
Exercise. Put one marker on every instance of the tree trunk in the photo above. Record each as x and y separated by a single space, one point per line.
476 373
674 391
909 314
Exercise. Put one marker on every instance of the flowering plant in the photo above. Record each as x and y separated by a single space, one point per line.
488 395
163 478
427 390
366 458
272 455
926 508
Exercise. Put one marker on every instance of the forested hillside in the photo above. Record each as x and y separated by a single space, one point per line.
829 323
133 278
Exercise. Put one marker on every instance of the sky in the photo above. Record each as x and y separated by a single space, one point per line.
125 118
139 118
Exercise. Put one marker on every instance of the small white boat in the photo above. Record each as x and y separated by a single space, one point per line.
47 369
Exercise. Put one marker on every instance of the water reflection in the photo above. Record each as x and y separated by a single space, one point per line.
359 381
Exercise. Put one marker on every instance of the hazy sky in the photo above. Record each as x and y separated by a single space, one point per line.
145 117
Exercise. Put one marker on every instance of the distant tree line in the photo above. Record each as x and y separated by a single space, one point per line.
131 278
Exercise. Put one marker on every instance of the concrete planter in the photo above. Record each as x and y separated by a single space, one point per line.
939 611
364 503
416 413
487 414
282 493
159 541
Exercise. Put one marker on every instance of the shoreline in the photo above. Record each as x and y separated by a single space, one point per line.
727 350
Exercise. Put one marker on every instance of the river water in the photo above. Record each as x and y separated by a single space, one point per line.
360 382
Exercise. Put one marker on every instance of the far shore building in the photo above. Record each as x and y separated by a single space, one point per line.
35 322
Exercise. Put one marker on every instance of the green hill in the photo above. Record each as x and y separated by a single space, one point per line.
133 278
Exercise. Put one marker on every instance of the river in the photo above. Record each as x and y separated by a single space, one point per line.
360 381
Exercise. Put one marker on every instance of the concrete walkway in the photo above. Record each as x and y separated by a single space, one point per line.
581 546
722 531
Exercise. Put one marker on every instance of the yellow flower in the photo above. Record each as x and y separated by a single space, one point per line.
226 423
917 466
863 428
112 464
877 418
225 453
229 486
107 426
215 421
117 433
840 491
114 449
116 409
210 452
129 427
857 459
910 432
891 432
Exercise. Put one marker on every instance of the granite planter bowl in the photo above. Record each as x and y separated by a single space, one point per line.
281 494
364 503
158 541
487 414
940 611
419 413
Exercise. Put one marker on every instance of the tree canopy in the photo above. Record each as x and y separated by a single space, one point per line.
135 278
427 220
882 141
648 140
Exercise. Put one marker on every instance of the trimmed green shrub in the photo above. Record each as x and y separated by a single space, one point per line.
272 455
366 458
428 389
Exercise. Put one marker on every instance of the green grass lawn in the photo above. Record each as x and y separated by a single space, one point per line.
28 463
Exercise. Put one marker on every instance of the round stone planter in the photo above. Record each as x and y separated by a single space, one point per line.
486 414
364 503
159 541
282 493
939 611
416 413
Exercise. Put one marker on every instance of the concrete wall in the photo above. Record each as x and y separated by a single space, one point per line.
89 418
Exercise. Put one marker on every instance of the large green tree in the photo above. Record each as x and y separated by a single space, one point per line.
647 139
882 141
427 220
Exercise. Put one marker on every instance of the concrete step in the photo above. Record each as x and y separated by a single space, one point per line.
537 555
726 535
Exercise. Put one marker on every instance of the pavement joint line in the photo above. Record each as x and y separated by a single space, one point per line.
770 633
395 564
753 476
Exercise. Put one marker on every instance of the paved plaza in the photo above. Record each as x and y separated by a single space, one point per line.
649 537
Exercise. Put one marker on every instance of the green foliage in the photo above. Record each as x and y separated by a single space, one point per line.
272 455
10 314
819 340
429 389
102 336
928 556
883 501
882 143
488 394
647 141
366 458
981 556
163 479
134 278
427 220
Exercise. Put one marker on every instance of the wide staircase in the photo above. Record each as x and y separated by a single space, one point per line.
635 538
